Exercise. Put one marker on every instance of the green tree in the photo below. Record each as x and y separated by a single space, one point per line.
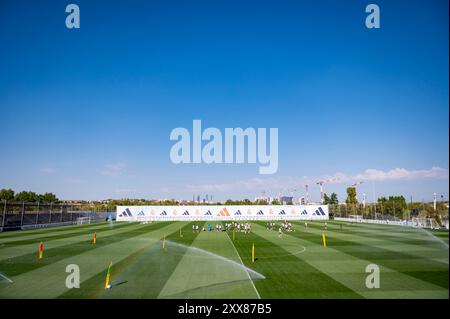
261 202
334 199
393 205
48 198
6 194
330 200
351 196
25 196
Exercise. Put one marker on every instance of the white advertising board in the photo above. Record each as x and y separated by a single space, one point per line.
223 212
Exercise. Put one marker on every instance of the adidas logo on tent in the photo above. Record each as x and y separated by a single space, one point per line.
163 213
282 212
126 213
185 213
304 212
238 212
260 213
319 212
223 212
208 213
141 213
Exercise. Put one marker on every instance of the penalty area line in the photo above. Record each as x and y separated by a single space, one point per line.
240 259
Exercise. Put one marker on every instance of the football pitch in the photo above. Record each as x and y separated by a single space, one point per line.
169 260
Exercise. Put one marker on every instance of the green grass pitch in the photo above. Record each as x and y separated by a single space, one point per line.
413 263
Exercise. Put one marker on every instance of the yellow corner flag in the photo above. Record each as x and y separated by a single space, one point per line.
41 250
324 239
94 240
108 277
253 252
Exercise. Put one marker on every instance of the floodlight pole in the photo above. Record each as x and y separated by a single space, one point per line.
393 206
4 215
374 200
434 202
37 215
23 211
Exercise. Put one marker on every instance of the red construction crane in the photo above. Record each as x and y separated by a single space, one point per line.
323 182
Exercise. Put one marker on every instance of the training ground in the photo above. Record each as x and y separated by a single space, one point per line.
414 263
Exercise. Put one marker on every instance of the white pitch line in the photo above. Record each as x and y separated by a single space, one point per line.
7 279
253 284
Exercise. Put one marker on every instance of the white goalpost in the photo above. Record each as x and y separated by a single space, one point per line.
83 220
425 223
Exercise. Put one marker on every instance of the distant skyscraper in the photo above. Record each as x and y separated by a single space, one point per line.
286 199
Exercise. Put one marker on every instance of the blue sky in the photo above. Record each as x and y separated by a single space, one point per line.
87 113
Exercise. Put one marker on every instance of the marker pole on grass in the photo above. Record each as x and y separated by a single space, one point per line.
164 242
108 277
41 250
181 235
94 239
324 239
253 252
233 234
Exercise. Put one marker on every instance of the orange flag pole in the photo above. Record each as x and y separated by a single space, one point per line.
41 250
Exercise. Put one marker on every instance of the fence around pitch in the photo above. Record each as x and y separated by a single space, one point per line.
14 216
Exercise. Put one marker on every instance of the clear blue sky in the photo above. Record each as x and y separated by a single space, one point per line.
87 113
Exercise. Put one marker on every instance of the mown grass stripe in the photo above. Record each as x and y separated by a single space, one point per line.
398 261
427 250
12 252
287 276
28 262
6 235
58 235
350 270
210 268
141 274
394 234
49 281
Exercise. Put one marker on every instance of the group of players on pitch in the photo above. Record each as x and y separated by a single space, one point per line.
287 227
240 227
247 227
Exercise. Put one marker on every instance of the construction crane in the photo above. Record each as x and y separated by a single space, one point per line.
355 185
264 197
306 194
321 183
292 191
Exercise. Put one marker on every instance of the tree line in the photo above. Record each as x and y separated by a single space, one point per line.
27 196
